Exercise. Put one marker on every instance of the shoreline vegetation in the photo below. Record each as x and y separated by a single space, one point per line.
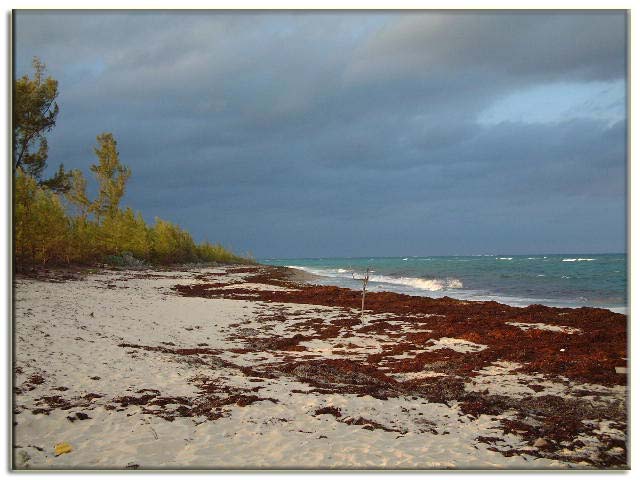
54 220
249 367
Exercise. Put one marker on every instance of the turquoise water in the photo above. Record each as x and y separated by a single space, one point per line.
594 280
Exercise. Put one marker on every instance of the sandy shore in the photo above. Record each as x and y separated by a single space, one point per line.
241 367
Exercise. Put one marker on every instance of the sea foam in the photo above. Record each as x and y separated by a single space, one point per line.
429 284
432 285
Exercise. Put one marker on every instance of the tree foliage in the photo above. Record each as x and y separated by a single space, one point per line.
55 221
40 223
34 114
111 175
76 195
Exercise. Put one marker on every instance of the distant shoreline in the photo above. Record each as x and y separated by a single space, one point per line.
78 271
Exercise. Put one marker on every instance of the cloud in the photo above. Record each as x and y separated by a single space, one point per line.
330 134
537 45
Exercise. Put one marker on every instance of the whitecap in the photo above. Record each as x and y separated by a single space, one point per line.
432 285
504 258
324 272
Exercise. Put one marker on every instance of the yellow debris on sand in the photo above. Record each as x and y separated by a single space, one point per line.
62 448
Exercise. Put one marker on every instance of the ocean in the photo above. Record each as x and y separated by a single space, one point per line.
593 280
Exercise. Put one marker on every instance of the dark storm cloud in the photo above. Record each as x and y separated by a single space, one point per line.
540 45
345 134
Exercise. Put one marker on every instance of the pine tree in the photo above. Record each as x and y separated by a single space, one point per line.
34 114
111 175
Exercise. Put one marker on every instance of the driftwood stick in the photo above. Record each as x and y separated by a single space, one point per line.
365 282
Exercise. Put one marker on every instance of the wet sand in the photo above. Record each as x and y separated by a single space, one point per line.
247 367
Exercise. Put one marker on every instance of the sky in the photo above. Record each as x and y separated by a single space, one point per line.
341 134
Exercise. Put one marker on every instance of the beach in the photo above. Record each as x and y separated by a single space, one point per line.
231 367
557 280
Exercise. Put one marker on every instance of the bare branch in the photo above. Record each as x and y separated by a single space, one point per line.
365 282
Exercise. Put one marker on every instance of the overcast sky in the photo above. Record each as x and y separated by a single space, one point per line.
352 134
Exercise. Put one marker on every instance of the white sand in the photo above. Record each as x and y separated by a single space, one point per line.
70 332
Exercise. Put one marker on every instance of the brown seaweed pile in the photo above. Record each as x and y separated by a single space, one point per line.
586 349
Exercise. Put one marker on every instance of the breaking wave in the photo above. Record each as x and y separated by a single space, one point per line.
432 285
578 259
